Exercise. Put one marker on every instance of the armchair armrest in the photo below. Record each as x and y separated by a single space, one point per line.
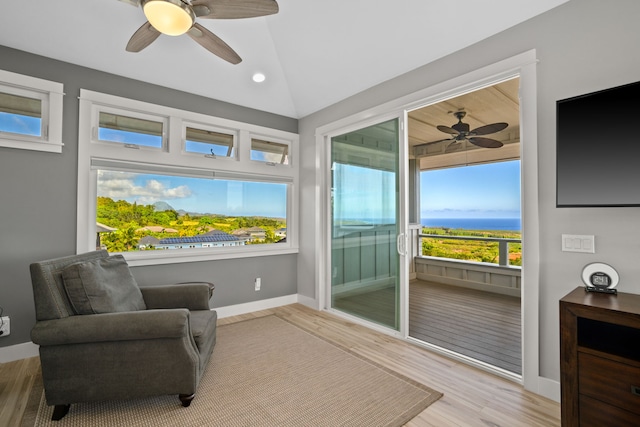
192 295
122 326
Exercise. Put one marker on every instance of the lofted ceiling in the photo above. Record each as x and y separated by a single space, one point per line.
313 53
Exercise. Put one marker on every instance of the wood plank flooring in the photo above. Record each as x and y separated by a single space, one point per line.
471 397
481 325
16 381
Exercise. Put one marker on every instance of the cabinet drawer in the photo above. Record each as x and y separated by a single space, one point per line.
594 413
609 381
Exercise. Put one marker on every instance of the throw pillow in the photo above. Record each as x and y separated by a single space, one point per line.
103 285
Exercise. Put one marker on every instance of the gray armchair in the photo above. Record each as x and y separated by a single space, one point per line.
102 337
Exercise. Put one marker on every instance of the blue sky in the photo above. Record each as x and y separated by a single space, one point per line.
234 198
16 123
479 191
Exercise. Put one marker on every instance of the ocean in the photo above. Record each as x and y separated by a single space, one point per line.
510 224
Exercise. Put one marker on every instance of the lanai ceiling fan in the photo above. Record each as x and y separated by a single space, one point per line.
461 132
177 17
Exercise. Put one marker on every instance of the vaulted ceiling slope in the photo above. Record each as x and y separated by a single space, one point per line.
313 53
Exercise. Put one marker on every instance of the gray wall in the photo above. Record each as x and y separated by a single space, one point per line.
583 46
38 199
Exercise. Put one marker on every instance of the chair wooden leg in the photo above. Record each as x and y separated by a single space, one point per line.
59 411
186 399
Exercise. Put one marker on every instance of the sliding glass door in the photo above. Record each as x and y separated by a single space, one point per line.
365 279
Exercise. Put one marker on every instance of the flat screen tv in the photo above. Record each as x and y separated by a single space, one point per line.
598 148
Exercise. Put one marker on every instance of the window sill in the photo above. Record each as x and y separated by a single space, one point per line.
49 147
175 256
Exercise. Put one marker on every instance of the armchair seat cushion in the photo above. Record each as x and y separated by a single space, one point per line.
103 285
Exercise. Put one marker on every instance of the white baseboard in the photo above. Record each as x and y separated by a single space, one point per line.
249 307
18 351
309 302
549 388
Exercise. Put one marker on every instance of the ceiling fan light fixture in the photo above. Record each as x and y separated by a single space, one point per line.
171 17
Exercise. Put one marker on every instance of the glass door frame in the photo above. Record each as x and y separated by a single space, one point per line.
324 265
524 65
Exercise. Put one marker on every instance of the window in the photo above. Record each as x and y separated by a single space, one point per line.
132 130
20 115
269 151
159 212
30 113
209 141
167 200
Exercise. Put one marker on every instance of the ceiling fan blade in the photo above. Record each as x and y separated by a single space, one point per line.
134 3
143 37
492 128
213 44
233 9
447 129
485 142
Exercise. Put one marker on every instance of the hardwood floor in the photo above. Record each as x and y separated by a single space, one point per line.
471 397
16 380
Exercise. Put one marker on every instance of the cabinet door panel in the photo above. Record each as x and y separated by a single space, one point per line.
609 381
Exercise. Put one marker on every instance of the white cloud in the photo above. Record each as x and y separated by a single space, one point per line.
122 186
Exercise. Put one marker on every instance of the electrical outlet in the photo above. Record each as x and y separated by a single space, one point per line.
6 326
258 283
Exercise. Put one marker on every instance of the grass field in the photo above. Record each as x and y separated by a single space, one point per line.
470 250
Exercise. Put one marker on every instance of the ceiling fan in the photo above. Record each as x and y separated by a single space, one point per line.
461 132
176 17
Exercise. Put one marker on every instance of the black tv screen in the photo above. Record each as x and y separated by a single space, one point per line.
598 148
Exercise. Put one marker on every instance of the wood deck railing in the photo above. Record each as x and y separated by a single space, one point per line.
498 278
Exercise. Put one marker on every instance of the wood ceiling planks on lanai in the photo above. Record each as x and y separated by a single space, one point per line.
492 104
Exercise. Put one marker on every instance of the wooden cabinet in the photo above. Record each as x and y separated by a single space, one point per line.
600 359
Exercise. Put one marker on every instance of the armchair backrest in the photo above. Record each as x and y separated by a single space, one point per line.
49 295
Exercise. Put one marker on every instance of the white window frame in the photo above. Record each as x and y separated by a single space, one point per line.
95 119
276 141
207 127
51 95
93 155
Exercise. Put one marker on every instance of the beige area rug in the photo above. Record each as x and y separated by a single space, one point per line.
267 372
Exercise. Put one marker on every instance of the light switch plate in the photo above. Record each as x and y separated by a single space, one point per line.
579 243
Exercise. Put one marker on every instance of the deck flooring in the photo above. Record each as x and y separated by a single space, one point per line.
480 325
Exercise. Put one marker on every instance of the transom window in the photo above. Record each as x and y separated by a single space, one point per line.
209 142
20 114
136 131
269 151
30 113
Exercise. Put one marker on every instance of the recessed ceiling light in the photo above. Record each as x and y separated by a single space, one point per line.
258 77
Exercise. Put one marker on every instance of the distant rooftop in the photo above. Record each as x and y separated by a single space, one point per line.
217 237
